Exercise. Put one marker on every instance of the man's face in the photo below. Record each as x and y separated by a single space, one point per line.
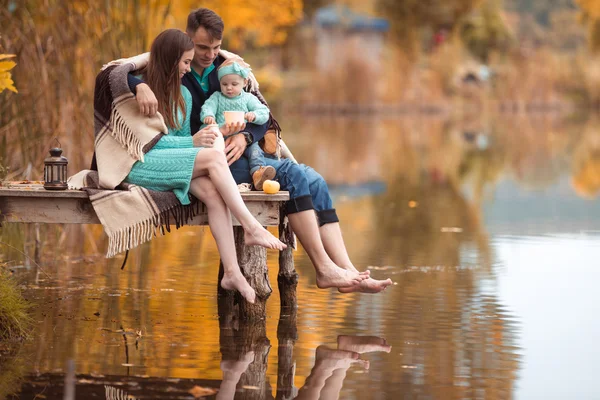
206 48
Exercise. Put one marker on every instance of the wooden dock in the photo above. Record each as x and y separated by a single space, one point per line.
29 202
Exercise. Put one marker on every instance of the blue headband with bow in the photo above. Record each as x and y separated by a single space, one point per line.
233 68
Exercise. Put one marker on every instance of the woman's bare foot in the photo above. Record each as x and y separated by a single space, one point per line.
259 236
239 283
337 277
237 367
368 286
362 344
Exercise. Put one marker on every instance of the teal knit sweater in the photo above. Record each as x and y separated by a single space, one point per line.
246 102
170 163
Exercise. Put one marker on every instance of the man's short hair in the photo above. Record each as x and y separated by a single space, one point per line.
207 19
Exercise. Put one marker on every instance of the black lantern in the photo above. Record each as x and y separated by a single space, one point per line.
55 170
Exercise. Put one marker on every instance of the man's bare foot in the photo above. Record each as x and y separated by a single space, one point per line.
330 359
362 344
337 277
239 283
259 236
368 286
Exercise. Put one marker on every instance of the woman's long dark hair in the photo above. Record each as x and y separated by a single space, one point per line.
162 73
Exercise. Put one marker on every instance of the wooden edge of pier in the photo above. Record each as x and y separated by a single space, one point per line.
25 202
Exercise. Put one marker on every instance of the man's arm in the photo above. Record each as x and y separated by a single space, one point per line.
257 132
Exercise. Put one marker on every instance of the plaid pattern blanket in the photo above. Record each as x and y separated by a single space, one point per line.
130 215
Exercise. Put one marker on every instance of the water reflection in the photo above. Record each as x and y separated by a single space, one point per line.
426 202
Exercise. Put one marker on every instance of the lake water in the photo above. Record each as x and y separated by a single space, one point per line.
490 231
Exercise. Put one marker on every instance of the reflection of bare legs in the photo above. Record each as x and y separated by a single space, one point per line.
327 376
232 371
326 363
304 224
363 344
219 221
331 235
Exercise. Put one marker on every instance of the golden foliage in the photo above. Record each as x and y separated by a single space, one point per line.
6 81
590 7
251 22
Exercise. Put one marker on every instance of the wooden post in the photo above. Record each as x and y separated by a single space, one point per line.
253 263
238 338
287 334
287 278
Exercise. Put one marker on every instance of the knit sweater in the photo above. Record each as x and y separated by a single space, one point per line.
217 103
170 164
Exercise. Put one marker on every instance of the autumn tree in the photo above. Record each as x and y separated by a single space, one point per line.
591 18
414 21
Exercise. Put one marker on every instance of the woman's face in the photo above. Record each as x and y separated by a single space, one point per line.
185 62
232 85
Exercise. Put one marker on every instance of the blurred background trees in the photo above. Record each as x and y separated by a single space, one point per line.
431 55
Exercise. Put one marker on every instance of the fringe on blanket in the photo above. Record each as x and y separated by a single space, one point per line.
121 131
141 232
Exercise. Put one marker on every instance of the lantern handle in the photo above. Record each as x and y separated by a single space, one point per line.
56 139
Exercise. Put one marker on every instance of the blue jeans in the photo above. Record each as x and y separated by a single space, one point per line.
308 190
255 156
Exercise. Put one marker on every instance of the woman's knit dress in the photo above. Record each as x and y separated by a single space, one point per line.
170 163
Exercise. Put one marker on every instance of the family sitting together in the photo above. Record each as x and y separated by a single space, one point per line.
176 95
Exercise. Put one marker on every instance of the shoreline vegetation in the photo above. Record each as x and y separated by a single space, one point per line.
15 321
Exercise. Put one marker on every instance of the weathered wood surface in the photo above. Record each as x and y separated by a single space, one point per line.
32 203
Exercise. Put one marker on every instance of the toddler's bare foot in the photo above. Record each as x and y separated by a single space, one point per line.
239 283
337 277
363 344
368 286
259 236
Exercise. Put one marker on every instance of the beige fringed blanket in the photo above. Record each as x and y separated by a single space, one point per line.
130 215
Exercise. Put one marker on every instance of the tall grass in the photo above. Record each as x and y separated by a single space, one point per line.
14 318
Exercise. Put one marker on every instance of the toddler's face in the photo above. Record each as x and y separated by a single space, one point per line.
232 85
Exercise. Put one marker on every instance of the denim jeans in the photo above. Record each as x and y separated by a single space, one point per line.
255 156
308 190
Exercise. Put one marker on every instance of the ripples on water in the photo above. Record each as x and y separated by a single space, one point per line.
495 295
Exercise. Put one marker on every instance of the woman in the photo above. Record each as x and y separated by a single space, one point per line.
177 162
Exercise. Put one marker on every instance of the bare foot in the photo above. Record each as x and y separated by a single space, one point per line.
368 286
237 367
239 283
335 276
259 236
330 359
362 344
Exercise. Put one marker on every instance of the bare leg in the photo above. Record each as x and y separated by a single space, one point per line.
304 224
333 242
219 221
326 363
212 162
232 372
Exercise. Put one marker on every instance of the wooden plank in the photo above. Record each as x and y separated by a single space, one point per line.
80 211
39 191
73 207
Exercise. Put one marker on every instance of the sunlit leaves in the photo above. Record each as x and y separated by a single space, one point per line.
591 16
6 81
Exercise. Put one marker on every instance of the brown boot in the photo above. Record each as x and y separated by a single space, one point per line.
263 174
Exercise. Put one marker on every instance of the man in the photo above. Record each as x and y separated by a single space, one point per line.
310 210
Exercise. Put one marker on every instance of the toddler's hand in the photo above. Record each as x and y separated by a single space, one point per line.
249 116
209 120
